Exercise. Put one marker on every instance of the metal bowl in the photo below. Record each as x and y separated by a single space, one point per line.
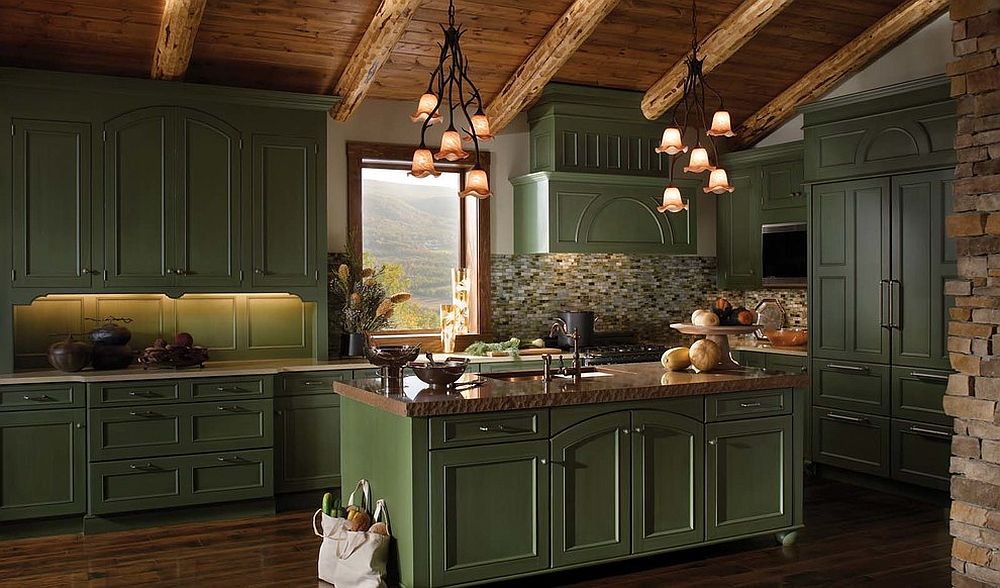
391 355
439 374
792 337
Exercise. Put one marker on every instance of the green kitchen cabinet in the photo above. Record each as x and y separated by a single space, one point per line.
782 186
52 202
923 258
921 453
738 232
918 395
307 442
668 452
490 511
750 485
284 212
43 462
851 440
850 273
591 473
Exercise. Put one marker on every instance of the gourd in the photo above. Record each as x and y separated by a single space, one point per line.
707 319
705 355
676 359
696 314
361 521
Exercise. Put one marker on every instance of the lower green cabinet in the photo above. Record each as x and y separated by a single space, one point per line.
750 467
921 453
43 461
851 440
489 510
307 442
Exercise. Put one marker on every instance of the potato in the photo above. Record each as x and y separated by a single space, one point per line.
676 359
705 355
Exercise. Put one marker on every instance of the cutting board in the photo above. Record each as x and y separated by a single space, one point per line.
529 351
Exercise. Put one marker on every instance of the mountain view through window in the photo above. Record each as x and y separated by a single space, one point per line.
412 227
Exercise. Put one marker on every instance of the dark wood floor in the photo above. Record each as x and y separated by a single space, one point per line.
854 537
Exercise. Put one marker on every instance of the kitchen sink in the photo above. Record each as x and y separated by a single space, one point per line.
539 375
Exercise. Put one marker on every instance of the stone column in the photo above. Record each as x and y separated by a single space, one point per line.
973 395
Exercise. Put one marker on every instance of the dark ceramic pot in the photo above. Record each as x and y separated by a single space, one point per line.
69 355
353 344
110 334
111 357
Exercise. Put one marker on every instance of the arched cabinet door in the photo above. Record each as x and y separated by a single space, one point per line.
139 183
207 202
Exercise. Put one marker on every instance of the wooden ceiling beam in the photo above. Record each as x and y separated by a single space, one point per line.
896 26
175 41
554 50
375 47
725 40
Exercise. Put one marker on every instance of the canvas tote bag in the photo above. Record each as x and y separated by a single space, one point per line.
332 531
362 556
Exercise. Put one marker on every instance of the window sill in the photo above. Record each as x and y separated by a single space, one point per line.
429 342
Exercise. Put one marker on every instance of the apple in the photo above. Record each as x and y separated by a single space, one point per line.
183 340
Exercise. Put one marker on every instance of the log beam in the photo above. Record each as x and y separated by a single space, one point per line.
722 43
896 26
387 26
175 41
559 44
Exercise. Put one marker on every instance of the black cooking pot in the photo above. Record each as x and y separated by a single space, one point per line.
583 322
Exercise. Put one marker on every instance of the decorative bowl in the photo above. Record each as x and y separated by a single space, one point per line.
788 337
439 374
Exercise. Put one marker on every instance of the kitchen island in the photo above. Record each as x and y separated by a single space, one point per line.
518 477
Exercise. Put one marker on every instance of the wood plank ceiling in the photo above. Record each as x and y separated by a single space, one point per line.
304 45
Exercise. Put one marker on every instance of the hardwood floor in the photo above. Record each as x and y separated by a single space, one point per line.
853 537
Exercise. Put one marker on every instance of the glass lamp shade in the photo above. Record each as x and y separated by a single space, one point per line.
699 161
451 147
672 201
671 144
722 126
476 184
425 108
718 182
481 126
423 164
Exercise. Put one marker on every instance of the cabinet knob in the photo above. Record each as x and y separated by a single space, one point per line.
79 425
170 270
543 461
713 442
258 271
86 271
638 429
180 272
626 430
279 412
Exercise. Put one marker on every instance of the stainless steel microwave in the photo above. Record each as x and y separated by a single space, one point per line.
784 258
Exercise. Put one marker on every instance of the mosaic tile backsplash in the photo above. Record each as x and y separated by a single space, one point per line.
640 293
793 300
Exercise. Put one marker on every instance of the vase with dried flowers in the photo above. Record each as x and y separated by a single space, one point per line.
367 306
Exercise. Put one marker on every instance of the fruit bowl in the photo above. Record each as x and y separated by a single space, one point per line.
789 337
439 374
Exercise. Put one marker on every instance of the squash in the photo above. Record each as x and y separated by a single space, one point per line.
696 314
676 359
705 355
707 319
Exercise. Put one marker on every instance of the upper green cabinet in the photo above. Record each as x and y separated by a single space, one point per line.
172 202
782 186
52 203
557 212
284 209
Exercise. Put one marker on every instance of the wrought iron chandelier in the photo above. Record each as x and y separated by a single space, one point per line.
451 79
685 116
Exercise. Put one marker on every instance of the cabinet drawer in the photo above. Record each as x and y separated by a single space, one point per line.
918 394
117 433
162 482
754 359
312 382
230 388
479 429
513 366
921 453
851 440
742 405
786 363
129 393
851 386
41 396
366 374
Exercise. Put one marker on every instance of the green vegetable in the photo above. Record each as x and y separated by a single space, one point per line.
328 504
509 347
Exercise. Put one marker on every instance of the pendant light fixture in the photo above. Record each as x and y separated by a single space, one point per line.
690 114
450 90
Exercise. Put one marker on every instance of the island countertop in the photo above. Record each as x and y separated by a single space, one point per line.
640 381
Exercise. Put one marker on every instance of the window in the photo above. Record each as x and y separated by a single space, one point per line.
418 230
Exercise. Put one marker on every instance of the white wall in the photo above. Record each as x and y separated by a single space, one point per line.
924 54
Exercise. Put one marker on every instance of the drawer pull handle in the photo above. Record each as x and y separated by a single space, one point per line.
146 467
235 459
146 414
42 398
922 431
750 405
931 377
232 408
848 368
313 383
135 394
493 428
236 389
844 417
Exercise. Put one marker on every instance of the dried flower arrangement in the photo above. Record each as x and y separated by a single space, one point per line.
367 307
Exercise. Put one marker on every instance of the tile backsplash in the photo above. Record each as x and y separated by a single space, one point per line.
640 293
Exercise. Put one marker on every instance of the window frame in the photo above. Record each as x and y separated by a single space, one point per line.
474 225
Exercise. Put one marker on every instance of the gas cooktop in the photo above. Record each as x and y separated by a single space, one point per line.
626 353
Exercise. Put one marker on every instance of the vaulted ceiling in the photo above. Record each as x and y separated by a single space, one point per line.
305 45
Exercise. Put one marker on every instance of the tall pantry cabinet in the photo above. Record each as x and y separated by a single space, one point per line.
880 165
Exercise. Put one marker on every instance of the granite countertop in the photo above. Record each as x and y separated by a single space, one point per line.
752 344
639 381
215 369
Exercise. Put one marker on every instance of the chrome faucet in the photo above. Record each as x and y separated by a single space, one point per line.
559 327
